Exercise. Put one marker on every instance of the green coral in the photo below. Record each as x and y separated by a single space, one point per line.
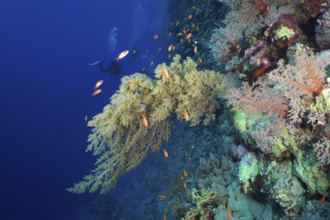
275 171
284 31
283 142
250 127
320 108
313 176
240 121
248 168
190 214
246 123
201 198
119 138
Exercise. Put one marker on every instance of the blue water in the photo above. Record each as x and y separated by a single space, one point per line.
46 86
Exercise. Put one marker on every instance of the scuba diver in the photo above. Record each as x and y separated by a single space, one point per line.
113 69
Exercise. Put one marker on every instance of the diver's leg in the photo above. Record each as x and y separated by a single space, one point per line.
102 69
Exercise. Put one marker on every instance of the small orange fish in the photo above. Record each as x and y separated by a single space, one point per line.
169 56
122 55
165 153
170 47
86 118
185 115
164 71
129 83
190 16
200 60
155 36
244 188
162 197
195 49
98 84
322 200
229 214
144 121
224 205
184 185
97 91
188 36
164 215
185 173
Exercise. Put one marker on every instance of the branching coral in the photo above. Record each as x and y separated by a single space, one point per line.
119 137
202 198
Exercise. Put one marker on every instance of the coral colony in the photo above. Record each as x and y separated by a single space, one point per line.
252 81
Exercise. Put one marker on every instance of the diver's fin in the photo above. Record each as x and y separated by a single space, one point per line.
93 64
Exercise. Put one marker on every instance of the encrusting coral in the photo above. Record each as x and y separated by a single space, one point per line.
136 120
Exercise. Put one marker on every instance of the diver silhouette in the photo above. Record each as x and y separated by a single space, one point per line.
114 68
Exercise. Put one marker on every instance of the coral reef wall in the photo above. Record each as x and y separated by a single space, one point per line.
265 153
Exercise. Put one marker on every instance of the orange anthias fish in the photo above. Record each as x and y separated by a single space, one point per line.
144 121
200 60
98 84
129 83
229 214
170 47
185 173
97 91
322 200
164 70
244 188
122 55
165 154
184 185
162 197
155 36
195 49
185 115
188 36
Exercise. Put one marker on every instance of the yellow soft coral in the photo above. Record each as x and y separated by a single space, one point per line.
118 136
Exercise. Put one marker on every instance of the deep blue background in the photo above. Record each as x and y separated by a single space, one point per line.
45 91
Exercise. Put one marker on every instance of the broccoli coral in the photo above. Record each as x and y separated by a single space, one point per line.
119 137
